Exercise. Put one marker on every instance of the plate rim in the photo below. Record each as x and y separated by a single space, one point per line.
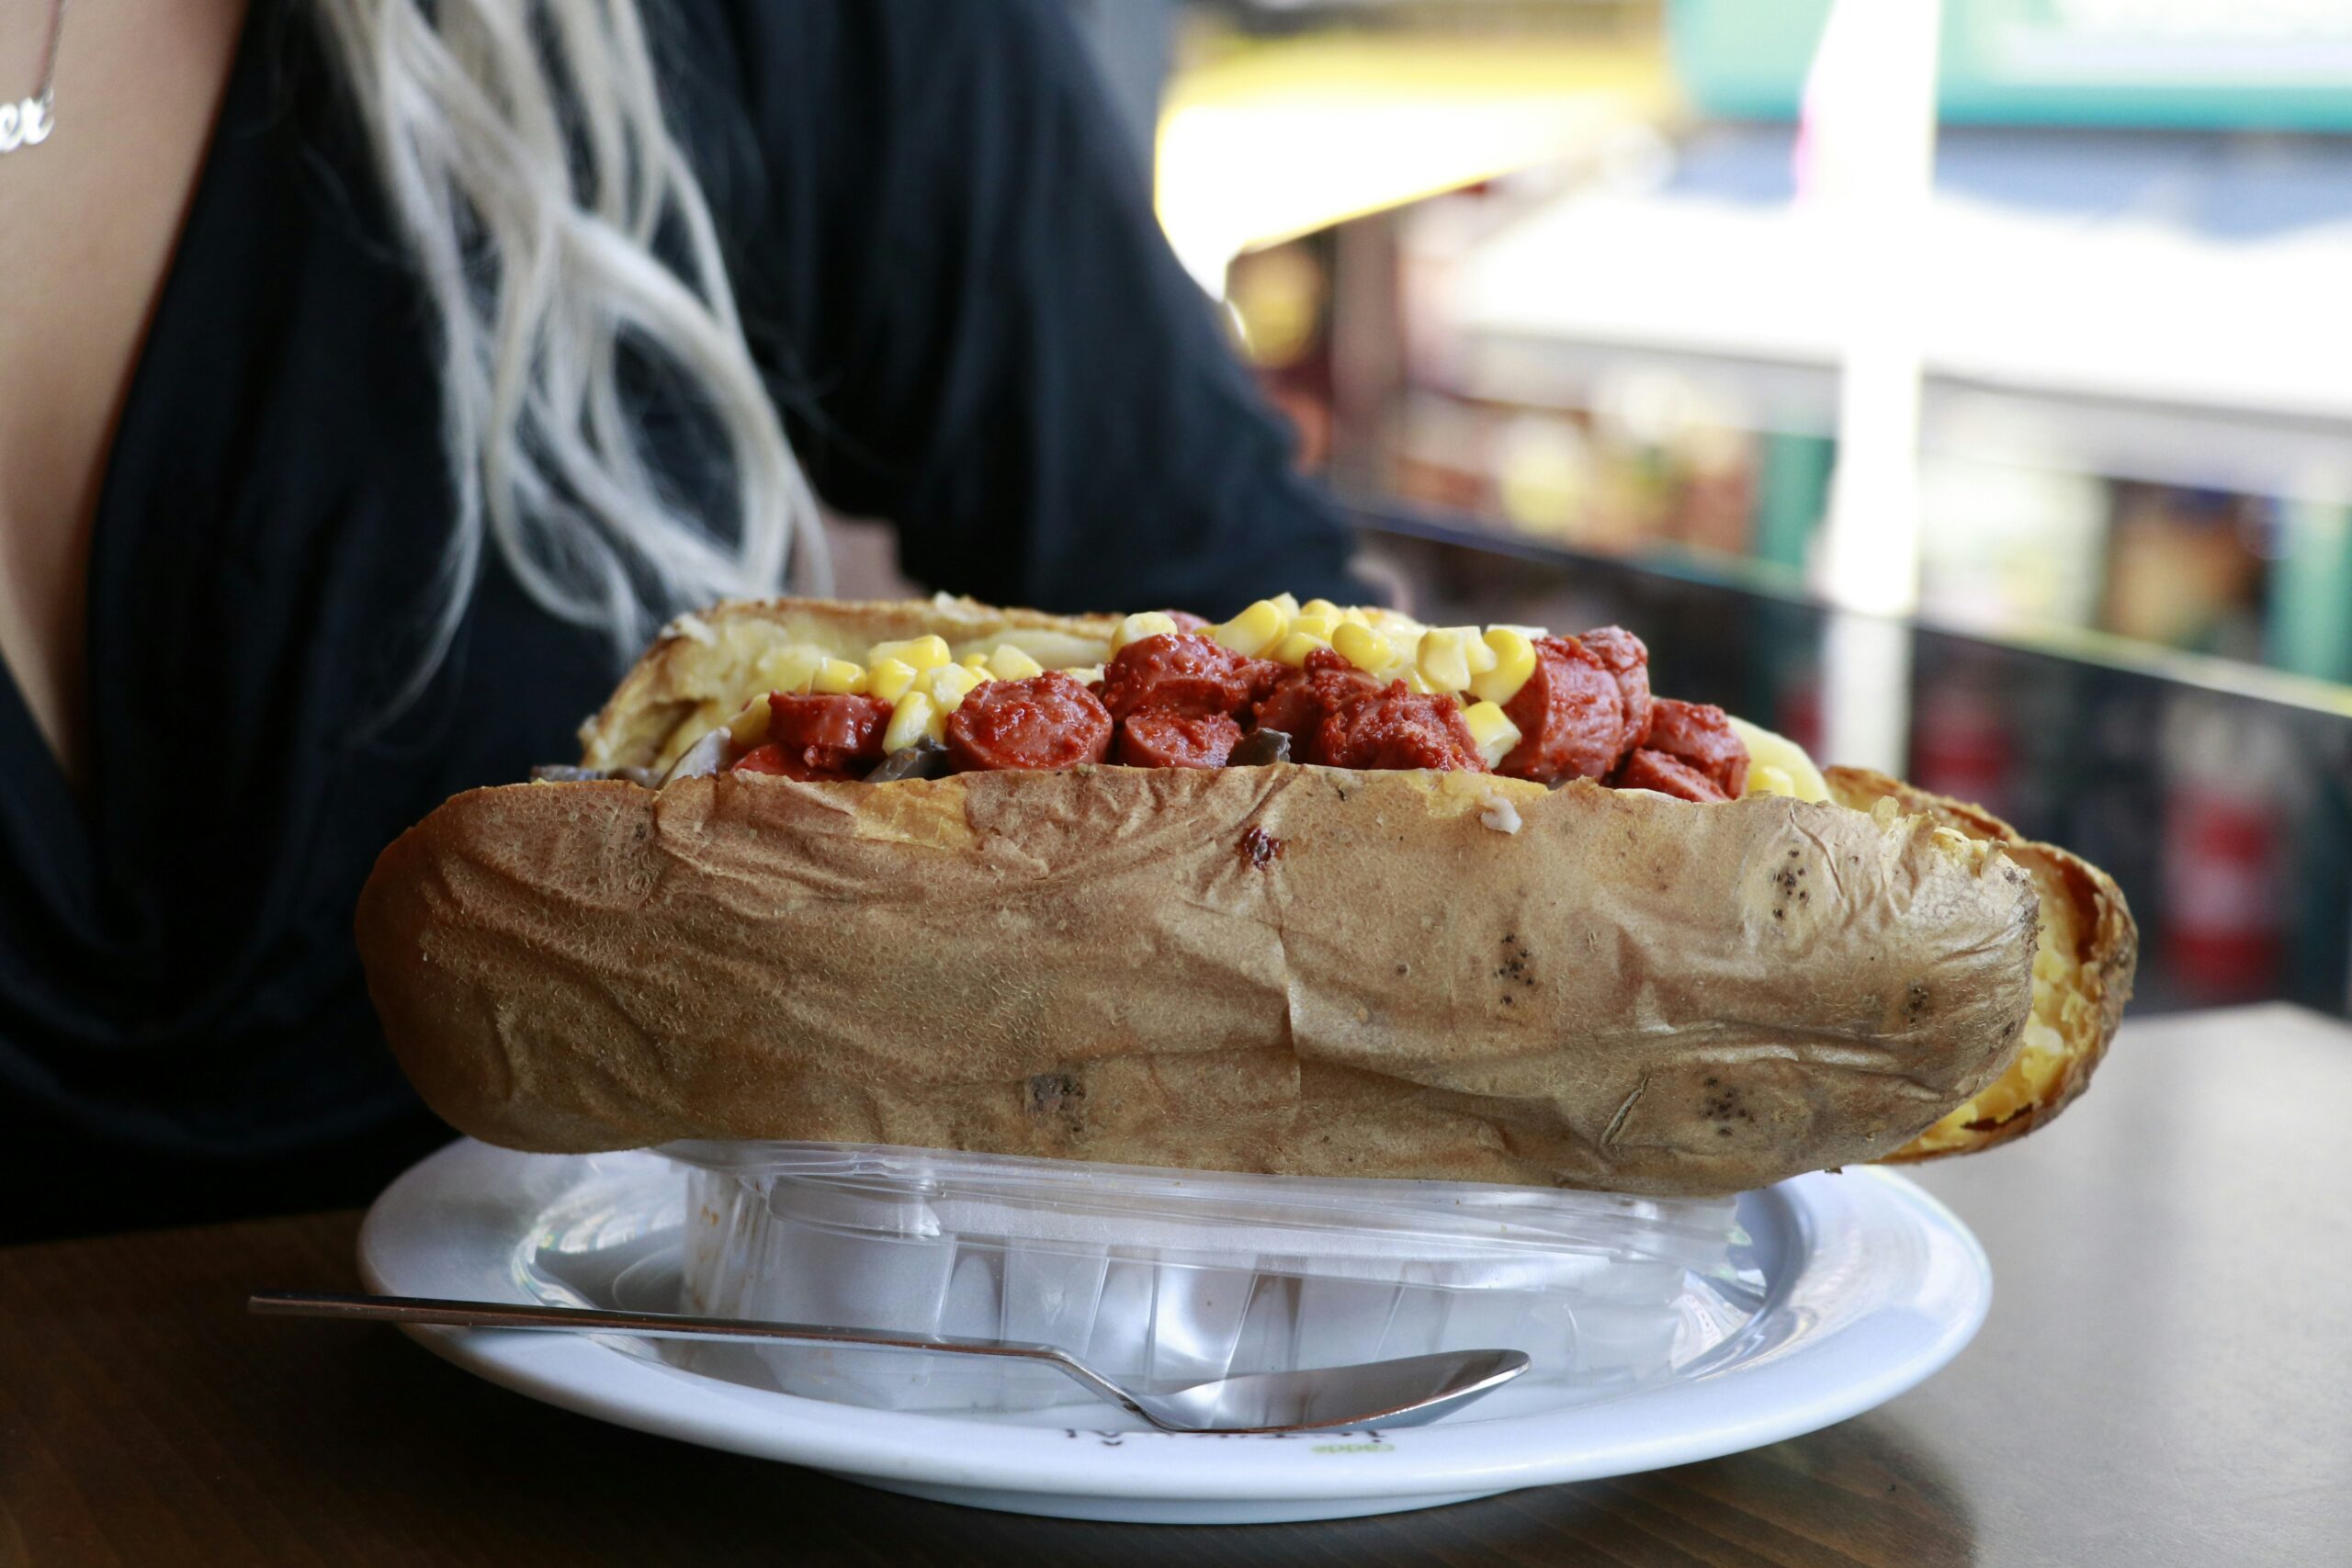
476 1202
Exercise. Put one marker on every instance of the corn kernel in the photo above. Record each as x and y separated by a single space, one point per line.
1314 625
1085 675
1256 629
947 686
1294 648
1766 750
788 668
977 663
1419 684
1479 651
1514 660
890 679
1137 627
1443 658
1323 607
915 718
839 677
1768 780
916 653
1009 663
1493 730
1288 604
750 727
1363 647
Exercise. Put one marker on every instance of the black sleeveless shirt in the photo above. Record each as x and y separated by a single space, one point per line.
951 275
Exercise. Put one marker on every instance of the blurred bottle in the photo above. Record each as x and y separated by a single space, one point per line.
2231 779
1961 741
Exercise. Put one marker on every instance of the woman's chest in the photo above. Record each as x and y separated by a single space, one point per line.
88 221
266 553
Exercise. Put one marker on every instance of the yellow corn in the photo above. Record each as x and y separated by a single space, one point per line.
1314 625
1514 660
977 663
1085 675
839 677
890 678
1418 683
915 652
947 686
1765 779
915 718
1294 648
788 668
1323 607
1777 753
1363 647
1449 655
1405 636
1288 604
1009 663
1137 627
750 727
1479 651
1493 729
1256 629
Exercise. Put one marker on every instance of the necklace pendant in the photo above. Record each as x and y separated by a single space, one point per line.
26 123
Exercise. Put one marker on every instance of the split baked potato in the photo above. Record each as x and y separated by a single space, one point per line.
1280 968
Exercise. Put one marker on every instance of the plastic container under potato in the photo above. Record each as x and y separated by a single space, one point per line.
1170 1276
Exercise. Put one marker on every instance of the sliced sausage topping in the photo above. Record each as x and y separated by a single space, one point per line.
1046 721
1176 740
1700 736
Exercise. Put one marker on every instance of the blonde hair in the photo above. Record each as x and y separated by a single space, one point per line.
525 159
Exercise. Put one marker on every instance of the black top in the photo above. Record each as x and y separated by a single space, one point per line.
949 270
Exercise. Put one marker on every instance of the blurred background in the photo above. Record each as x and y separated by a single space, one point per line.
1965 390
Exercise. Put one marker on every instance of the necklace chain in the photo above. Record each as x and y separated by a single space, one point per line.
27 121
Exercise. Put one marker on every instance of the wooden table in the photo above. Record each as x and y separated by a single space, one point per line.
2167 1377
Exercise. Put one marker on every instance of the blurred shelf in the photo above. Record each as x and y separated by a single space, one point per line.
1786 585
1273 139
2161 307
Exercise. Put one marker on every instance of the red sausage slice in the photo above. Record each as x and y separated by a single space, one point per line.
1176 740
1624 656
1701 736
1586 704
1184 674
1400 729
1646 769
1047 721
822 737
1300 700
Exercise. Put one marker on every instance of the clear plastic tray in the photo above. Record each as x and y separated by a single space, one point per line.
1170 1277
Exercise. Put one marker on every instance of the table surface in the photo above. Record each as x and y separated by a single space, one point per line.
2167 1377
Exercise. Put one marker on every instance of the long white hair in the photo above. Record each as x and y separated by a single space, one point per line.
525 159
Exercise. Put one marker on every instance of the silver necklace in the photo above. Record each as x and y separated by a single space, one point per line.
27 121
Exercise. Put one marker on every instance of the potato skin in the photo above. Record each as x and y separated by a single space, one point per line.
2086 928
1281 969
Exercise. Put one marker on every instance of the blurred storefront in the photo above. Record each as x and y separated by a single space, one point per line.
1556 284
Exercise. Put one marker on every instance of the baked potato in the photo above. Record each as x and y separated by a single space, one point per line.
1287 967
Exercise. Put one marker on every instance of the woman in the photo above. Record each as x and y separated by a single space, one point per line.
383 371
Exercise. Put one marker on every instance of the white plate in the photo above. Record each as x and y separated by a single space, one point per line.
1873 1286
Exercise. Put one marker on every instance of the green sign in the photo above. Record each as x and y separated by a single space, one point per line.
2209 64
